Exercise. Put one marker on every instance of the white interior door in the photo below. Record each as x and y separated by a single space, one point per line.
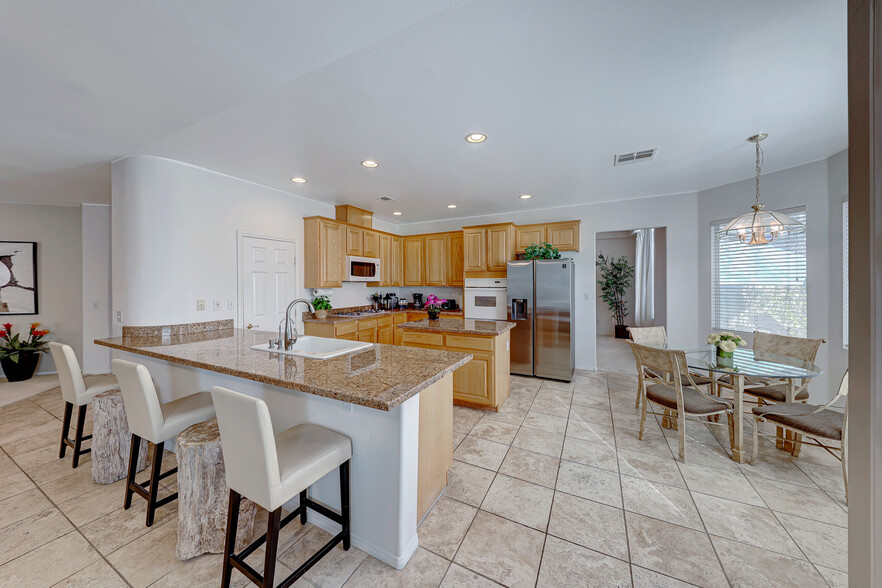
269 281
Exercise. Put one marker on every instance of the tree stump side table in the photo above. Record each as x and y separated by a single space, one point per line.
203 495
111 440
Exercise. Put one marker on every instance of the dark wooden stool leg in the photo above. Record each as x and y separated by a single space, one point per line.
68 412
272 547
230 544
303 496
78 439
155 472
133 469
344 502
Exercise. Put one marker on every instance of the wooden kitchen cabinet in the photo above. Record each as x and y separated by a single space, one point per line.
474 249
414 261
354 241
325 253
386 266
354 215
371 244
564 235
436 260
526 235
500 239
397 278
455 259
487 249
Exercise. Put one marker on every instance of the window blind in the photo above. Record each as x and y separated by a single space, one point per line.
759 287
845 274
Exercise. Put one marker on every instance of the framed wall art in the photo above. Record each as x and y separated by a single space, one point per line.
18 278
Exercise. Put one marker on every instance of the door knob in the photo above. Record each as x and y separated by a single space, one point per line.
250 326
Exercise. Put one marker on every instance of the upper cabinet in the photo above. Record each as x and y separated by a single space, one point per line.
487 249
564 235
371 244
354 215
436 260
474 249
397 276
325 254
414 261
454 259
354 241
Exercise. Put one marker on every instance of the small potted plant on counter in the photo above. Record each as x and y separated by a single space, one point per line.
321 305
433 306
726 344
18 356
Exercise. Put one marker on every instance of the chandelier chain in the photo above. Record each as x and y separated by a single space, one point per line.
760 156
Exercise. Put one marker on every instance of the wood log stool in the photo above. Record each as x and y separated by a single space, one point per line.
203 495
111 440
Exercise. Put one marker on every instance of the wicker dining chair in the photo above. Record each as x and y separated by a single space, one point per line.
680 395
818 422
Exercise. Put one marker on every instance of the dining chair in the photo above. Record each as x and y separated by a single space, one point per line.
680 395
818 422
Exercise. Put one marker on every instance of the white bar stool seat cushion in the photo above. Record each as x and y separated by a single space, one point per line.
306 453
180 414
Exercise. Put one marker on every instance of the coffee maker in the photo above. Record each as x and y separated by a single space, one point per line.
417 300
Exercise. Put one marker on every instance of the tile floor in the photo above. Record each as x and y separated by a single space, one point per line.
554 490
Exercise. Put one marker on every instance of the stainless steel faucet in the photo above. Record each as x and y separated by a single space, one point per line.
290 336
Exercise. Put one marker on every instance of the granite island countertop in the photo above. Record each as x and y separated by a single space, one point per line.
337 319
459 326
381 377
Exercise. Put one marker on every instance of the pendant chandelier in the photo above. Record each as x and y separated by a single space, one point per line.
761 226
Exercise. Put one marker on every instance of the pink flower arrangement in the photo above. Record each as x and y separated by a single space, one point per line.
434 303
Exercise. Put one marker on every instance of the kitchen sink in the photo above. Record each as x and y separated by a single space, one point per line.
317 347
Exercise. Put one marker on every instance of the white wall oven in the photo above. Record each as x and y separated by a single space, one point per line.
486 299
362 269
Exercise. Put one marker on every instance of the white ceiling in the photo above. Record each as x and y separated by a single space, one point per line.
268 90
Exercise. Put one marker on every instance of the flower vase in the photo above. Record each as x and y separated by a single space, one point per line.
321 314
434 315
21 370
725 358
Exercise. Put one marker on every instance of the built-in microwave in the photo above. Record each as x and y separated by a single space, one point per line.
362 269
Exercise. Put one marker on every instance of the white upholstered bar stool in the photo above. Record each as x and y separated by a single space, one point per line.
271 469
75 392
154 422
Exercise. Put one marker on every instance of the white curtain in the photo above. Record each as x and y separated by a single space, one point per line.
644 278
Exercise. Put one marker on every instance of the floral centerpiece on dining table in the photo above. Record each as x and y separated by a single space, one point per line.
433 306
726 343
19 355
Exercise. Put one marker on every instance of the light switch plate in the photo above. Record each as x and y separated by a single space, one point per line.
218 304
230 304
200 304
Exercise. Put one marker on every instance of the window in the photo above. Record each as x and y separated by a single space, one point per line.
760 287
845 274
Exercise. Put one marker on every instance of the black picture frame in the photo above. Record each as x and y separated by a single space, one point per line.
31 248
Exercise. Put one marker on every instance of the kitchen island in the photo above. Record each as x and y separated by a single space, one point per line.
394 403
484 382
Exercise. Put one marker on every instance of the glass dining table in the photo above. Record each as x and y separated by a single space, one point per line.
745 367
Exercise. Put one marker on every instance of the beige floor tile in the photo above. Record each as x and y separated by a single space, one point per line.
97 575
732 485
822 543
698 432
7 466
590 524
713 456
551 406
457 439
800 501
511 414
530 466
465 418
35 451
545 422
651 499
480 452
459 577
589 482
424 569
601 416
48 426
644 578
563 562
519 501
591 432
558 385
32 532
77 483
835 578
674 551
599 455
111 531
539 441
149 557
101 501
494 431
50 563
512 562
445 526
331 570
650 467
752 566
21 506
748 524
777 468
597 399
632 423
468 483
651 444
15 484
827 477
56 469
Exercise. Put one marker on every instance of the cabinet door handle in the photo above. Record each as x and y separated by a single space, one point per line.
250 326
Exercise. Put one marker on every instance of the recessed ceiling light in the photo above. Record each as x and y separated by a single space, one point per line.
396 213
299 180
369 163
525 196
451 206
476 137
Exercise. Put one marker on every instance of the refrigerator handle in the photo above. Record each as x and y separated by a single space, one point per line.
519 308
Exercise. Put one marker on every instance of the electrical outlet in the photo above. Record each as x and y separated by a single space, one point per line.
119 316
587 298
218 304
200 304
230 304
96 306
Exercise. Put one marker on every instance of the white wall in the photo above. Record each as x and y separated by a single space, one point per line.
614 244
677 213
174 235
96 287
58 233
819 187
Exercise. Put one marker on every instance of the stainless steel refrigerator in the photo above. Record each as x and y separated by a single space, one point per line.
541 300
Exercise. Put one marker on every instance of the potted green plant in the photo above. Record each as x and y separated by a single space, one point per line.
321 305
541 251
615 279
433 306
19 356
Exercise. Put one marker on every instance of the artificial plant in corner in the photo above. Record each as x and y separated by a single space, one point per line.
615 279
541 251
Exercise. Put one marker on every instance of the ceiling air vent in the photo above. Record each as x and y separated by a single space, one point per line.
634 156
386 198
